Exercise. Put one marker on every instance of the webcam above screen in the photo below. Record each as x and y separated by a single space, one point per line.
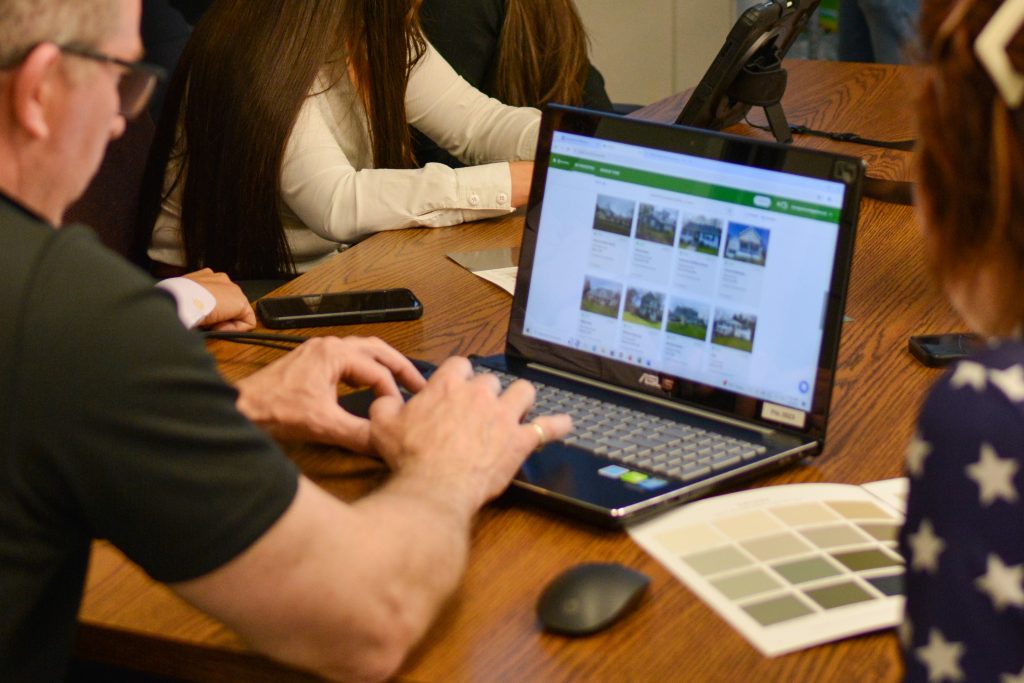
748 68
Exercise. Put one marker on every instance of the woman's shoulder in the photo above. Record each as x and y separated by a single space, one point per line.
991 365
972 417
985 388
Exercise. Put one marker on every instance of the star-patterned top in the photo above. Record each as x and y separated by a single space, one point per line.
964 534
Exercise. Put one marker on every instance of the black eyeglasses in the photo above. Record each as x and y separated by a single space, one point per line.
137 82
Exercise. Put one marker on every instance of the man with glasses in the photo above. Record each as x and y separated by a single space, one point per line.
135 85
204 298
115 424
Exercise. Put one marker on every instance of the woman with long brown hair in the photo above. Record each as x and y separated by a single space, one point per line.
286 132
525 53
963 539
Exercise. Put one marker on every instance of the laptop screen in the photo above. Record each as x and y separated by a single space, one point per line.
707 270
710 270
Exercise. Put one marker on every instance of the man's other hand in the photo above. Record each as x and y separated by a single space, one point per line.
296 396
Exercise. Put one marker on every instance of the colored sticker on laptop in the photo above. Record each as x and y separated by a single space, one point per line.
634 477
612 471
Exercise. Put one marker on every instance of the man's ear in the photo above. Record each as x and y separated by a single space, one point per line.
35 84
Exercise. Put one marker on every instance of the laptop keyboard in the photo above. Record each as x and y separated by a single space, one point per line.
638 439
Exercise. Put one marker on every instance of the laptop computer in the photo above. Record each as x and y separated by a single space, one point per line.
681 293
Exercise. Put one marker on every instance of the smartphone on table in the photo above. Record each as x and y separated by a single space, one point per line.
339 308
938 350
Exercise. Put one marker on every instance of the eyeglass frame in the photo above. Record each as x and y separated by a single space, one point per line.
153 73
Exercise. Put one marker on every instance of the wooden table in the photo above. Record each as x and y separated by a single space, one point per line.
488 631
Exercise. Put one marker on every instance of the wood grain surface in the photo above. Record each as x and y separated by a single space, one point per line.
488 631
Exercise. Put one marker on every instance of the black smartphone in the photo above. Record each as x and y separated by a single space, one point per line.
938 350
339 308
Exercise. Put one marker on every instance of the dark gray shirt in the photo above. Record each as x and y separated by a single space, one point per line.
114 425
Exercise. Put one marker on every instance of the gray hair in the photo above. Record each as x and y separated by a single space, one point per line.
27 23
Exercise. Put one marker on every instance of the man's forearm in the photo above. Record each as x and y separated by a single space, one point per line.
343 590
424 529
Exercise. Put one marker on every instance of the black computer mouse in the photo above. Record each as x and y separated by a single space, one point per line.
590 597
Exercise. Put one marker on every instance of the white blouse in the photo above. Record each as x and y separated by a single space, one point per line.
333 195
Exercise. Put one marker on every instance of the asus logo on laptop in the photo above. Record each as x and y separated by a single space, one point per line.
649 380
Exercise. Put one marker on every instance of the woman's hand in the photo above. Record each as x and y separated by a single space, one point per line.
522 176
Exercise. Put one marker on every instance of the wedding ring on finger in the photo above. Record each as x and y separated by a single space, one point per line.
542 437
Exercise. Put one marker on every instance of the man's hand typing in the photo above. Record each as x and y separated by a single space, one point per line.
461 434
296 396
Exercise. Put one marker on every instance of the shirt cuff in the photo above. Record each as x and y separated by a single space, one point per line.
194 301
485 188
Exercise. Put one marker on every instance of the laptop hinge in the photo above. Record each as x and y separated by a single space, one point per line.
652 399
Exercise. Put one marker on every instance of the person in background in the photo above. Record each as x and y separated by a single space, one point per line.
296 140
204 298
166 27
116 424
877 30
963 539
191 10
523 52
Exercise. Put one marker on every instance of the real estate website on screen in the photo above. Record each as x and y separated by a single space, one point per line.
701 269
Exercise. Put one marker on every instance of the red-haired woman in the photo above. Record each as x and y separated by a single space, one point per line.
964 536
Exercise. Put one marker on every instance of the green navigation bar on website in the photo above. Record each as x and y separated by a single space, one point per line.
758 200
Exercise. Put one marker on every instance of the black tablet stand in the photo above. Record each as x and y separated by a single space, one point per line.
761 83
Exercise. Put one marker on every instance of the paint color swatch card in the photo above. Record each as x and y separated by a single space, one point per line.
790 566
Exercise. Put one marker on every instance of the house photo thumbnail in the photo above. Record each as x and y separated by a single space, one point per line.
644 307
657 224
614 214
734 330
747 244
601 296
701 234
688 318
